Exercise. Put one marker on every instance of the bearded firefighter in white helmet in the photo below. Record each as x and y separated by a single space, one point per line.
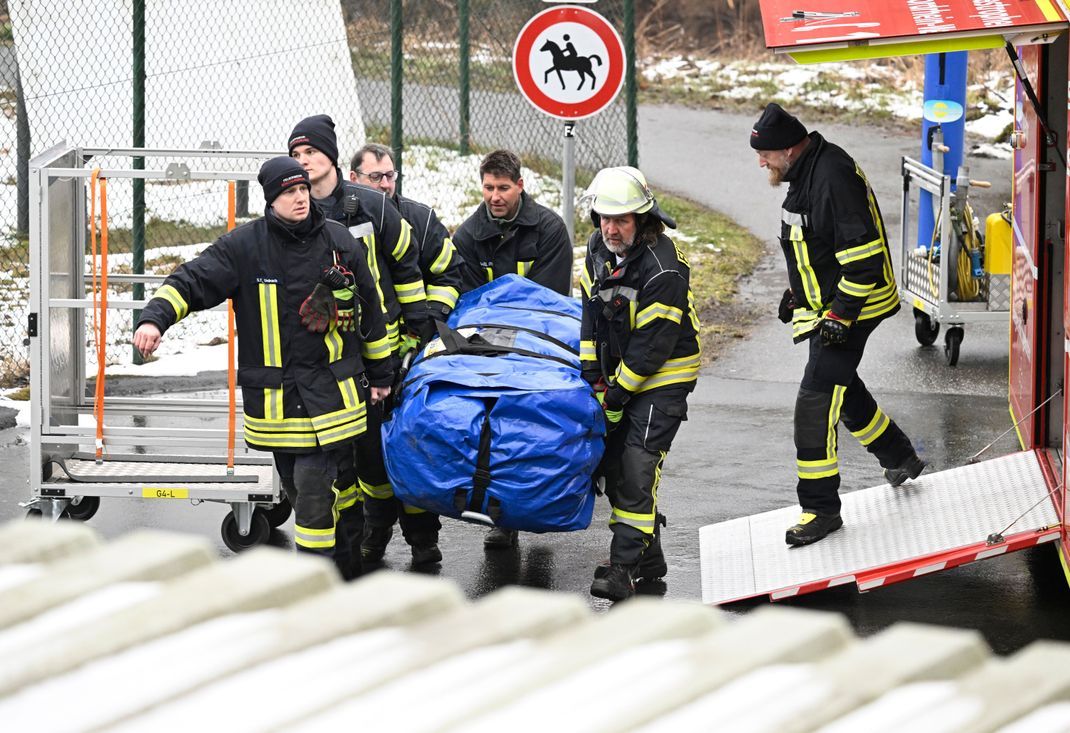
639 348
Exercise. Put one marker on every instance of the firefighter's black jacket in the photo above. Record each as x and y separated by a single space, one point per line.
439 262
535 245
394 261
640 328
834 241
299 389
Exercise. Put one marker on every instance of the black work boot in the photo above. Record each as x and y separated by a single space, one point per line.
373 546
614 583
812 527
501 539
911 468
425 548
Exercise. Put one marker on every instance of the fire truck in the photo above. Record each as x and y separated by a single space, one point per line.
992 507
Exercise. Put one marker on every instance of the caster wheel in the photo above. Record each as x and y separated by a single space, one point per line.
924 329
34 513
259 529
83 509
952 342
277 514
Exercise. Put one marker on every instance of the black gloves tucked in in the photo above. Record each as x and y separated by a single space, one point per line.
787 306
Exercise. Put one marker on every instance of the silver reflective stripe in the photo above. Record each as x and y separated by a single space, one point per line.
609 293
793 219
361 230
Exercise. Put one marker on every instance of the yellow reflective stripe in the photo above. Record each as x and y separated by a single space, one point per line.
587 351
393 332
442 294
174 299
343 294
330 420
523 267
855 289
585 281
817 469
627 379
272 345
373 265
674 371
412 509
445 257
410 292
874 430
313 537
376 491
283 440
874 308
642 522
404 239
490 274
658 310
834 419
347 498
861 252
345 432
806 270
379 349
333 340
285 424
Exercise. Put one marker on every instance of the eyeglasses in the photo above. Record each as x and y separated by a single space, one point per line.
388 175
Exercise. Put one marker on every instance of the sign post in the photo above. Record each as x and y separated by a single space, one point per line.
569 63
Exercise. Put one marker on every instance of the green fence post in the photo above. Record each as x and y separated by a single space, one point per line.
631 111
138 95
396 72
462 9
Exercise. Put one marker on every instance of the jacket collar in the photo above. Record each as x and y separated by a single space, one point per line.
294 232
806 160
486 227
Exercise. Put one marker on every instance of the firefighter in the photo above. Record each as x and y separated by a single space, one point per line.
510 233
373 166
312 348
841 288
395 265
640 350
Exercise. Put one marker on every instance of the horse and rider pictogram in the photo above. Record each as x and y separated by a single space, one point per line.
568 60
567 39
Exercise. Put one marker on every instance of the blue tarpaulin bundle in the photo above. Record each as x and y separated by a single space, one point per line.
495 422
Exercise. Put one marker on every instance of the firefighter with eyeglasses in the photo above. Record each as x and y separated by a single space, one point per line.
312 342
640 351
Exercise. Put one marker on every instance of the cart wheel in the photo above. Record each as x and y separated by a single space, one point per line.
259 529
924 329
952 341
277 514
84 509
34 513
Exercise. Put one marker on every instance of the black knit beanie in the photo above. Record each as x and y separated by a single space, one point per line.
776 129
279 174
317 131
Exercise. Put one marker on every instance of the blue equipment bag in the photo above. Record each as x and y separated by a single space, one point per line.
495 423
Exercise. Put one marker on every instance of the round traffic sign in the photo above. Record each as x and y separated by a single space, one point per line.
568 61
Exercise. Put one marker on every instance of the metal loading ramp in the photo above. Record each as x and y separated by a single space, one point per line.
938 521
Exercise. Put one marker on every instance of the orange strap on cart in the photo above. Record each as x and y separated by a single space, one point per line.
231 376
100 297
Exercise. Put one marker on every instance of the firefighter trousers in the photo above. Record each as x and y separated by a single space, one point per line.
308 480
831 391
635 454
381 508
349 509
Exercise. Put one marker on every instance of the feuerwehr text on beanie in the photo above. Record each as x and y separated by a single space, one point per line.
279 174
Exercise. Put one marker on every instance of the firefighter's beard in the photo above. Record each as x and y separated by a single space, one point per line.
776 176
619 247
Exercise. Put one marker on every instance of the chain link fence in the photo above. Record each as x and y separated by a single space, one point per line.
239 75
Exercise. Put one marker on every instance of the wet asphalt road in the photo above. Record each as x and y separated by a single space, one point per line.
734 456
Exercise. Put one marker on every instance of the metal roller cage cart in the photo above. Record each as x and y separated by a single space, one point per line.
84 445
955 280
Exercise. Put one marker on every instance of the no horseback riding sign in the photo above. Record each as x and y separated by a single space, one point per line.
569 62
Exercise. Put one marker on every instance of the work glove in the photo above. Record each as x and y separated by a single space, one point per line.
341 281
407 343
833 330
787 306
611 406
319 309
